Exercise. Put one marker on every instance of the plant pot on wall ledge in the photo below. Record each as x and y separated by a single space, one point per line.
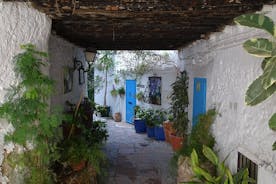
176 142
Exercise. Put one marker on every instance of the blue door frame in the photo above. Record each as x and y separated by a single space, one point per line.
199 98
130 100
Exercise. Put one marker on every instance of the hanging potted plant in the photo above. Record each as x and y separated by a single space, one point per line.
179 108
114 92
121 91
140 96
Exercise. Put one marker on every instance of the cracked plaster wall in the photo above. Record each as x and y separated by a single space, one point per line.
19 24
229 70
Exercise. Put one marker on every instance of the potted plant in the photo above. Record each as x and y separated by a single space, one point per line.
117 115
150 123
83 148
139 120
121 91
114 92
168 129
159 118
103 111
179 108
105 63
140 96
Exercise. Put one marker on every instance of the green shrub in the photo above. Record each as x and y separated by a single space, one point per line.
200 135
27 109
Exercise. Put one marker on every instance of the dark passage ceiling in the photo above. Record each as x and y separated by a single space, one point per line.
141 24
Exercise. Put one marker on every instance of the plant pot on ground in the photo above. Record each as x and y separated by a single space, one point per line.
103 110
158 118
139 120
117 117
148 116
168 129
159 133
179 109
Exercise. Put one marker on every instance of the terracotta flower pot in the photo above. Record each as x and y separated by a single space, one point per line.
117 117
176 142
168 129
78 166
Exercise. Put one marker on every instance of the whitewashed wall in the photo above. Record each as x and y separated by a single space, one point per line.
118 104
19 24
62 54
229 70
168 76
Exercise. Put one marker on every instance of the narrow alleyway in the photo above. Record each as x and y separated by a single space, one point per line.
135 158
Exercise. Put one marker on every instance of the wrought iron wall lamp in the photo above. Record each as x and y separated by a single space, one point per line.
78 65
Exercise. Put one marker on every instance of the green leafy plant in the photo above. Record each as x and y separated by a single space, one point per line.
159 117
85 146
114 92
200 135
140 96
148 115
27 109
103 110
265 85
117 79
105 63
179 104
121 91
223 174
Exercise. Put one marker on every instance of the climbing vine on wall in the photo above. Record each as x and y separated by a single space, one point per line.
265 85
27 109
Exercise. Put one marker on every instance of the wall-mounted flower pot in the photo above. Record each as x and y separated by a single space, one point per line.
150 131
159 133
140 126
176 142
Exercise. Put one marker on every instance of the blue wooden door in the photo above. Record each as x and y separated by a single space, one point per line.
199 99
130 100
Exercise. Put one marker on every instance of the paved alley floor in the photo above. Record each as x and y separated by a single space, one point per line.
135 158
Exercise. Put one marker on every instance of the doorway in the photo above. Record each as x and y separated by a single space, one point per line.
130 100
199 98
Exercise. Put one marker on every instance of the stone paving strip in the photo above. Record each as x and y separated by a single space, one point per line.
135 158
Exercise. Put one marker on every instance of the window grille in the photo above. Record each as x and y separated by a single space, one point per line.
244 162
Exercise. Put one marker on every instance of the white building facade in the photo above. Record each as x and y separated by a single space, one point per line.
229 70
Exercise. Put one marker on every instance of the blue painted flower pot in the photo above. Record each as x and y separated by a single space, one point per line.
140 126
150 132
159 133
